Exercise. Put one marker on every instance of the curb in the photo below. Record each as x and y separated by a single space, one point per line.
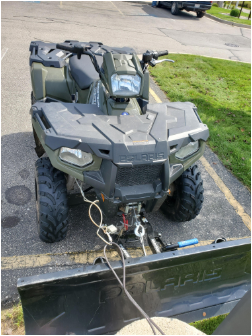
142 2
225 59
227 22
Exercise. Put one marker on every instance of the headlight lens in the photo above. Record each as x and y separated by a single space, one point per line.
187 150
75 156
125 85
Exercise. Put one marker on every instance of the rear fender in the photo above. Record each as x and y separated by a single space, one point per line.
49 81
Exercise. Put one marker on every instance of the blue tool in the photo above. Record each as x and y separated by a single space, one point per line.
181 244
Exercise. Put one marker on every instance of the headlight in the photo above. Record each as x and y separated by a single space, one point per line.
75 156
187 150
125 85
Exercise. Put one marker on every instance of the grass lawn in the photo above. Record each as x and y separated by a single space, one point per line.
216 11
208 326
221 90
12 321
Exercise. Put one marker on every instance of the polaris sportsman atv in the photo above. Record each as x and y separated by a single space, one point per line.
91 117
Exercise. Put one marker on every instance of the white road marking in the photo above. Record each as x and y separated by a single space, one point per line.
3 53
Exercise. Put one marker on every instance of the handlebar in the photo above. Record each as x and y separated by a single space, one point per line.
149 56
76 49
80 50
162 53
63 47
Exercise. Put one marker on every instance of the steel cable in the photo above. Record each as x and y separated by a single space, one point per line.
123 285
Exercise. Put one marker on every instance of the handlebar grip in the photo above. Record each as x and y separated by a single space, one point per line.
162 53
63 47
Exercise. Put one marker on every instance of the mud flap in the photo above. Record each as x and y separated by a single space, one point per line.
190 284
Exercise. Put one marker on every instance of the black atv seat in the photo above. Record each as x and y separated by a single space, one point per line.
83 71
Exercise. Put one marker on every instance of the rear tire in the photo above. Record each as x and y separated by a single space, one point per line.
159 4
51 202
188 198
174 8
200 14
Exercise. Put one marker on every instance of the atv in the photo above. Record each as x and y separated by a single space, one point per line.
95 129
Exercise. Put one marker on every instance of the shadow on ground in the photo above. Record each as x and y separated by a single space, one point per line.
164 13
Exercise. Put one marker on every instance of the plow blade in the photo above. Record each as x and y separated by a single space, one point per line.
189 284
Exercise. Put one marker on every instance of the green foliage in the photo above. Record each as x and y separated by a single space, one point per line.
247 4
221 90
208 326
235 12
218 12
215 5
16 315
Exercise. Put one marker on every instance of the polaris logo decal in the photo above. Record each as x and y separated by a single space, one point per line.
142 157
161 284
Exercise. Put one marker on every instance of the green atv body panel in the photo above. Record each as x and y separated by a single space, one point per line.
67 168
58 84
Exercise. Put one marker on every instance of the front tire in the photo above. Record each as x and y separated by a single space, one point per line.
174 8
51 202
200 14
187 200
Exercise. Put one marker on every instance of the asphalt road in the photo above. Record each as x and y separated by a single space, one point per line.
116 24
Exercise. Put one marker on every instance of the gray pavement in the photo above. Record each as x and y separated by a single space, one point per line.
116 24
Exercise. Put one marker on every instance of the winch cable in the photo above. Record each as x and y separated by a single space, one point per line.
123 285
100 226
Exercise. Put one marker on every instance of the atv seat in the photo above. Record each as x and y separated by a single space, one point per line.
83 71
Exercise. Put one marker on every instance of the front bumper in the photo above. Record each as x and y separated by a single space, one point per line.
133 155
115 185
193 7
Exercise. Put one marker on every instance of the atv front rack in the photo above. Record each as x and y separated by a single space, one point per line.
189 284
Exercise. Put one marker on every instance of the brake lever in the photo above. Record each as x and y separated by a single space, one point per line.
154 62
163 60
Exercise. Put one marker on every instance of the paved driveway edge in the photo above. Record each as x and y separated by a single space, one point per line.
227 22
